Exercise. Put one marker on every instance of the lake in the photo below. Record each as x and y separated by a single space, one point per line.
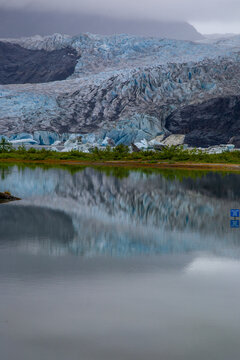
111 263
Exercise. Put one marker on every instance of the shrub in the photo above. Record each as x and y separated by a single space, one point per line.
5 146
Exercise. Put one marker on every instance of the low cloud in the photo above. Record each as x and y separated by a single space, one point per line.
225 11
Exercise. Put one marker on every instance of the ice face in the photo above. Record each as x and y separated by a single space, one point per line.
117 81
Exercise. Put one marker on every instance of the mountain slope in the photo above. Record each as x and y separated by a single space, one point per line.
212 122
20 65
15 23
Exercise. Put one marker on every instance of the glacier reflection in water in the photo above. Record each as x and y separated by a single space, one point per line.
118 264
120 212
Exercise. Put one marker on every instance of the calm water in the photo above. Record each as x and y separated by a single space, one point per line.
117 264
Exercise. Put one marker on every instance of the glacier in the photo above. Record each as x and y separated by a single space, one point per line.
123 87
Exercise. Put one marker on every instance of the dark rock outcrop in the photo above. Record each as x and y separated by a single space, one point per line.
20 66
6 197
235 140
212 122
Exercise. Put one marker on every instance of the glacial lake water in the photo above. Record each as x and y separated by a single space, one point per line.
118 264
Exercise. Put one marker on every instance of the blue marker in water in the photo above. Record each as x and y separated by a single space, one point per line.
234 224
234 213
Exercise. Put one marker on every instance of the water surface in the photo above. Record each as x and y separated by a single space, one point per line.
119 264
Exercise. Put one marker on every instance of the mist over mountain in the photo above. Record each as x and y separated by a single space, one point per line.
218 36
18 23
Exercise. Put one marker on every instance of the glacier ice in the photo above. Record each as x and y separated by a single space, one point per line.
124 87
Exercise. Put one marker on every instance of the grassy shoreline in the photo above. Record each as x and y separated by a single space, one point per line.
172 157
130 164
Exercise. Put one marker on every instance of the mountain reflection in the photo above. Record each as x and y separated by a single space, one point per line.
108 212
19 223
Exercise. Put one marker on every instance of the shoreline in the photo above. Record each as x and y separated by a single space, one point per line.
132 164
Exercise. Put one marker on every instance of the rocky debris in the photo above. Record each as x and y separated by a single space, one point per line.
157 140
174 140
20 65
6 197
161 142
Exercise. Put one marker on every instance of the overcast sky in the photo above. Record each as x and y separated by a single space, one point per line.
208 16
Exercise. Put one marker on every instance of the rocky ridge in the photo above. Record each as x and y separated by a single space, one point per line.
20 65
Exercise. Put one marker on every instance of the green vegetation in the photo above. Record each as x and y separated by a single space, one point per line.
5 146
170 174
120 153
